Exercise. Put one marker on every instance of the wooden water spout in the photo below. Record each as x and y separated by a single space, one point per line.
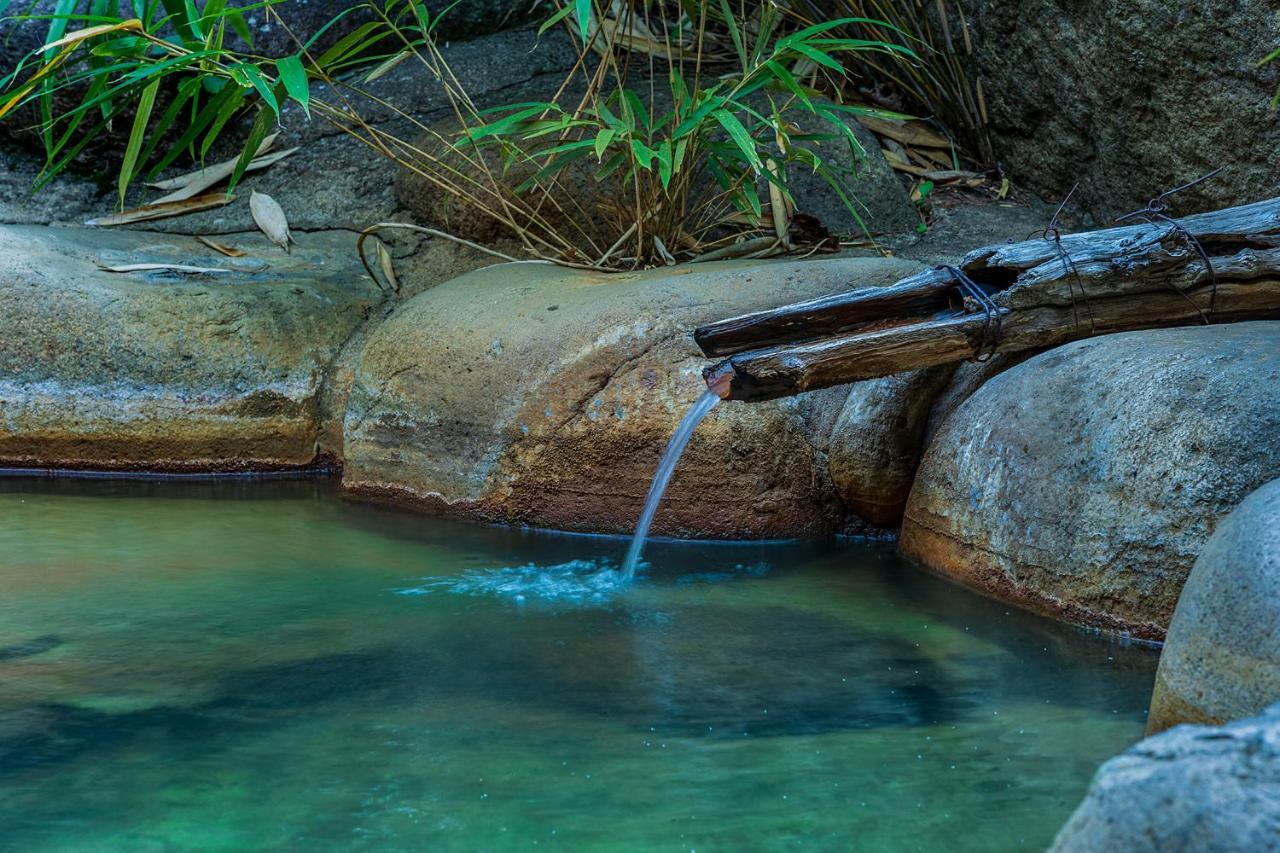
1214 267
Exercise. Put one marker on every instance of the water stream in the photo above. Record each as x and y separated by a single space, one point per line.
666 467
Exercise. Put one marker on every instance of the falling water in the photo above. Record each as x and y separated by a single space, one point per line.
666 467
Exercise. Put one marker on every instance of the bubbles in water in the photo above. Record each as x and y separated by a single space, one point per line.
575 581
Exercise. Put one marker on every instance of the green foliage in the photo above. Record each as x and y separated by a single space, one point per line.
171 52
1271 57
689 114
938 83
688 161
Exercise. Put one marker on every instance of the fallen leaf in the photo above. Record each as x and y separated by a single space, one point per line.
199 181
1004 188
182 180
388 268
164 210
901 163
270 217
661 248
906 132
182 268
947 176
222 248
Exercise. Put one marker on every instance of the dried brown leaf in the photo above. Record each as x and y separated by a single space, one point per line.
164 210
907 132
222 248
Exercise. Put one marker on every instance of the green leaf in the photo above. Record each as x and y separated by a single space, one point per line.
262 123
663 155
611 165
819 57
555 19
236 19
582 8
250 74
733 32
643 154
136 133
603 138
225 112
345 45
294 78
788 81
635 107
739 135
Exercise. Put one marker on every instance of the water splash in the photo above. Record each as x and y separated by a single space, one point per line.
666 467
575 581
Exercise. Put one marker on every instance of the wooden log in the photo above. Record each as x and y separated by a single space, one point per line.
1135 277
1240 242
924 292
781 371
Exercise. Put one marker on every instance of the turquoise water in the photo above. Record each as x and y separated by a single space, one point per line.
253 666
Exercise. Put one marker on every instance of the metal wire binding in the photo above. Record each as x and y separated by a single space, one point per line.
1154 213
971 290
1052 233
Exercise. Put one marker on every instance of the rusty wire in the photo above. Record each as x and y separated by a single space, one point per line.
1154 214
1051 233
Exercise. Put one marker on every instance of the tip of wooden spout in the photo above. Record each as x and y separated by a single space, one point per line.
720 380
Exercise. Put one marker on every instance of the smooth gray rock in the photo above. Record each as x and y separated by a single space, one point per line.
1193 789
1084 482
169 372
1221 660
1132 97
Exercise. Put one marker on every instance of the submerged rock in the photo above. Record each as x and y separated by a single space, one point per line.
538 395
1191 789
1084 482
1222 657
163 371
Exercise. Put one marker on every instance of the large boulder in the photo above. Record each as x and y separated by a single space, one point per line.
1084 482
1221 660
156 371
537 395
1132 97
1192 789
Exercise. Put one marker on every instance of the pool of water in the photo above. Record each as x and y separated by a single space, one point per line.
261 665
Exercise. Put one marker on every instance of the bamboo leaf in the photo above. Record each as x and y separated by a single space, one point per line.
294 78
262 123
136 133
582 9
556 18
162 211
739 135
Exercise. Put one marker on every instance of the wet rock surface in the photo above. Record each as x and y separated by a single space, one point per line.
164 371
1190 789
543 396
1221 660
1084 482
